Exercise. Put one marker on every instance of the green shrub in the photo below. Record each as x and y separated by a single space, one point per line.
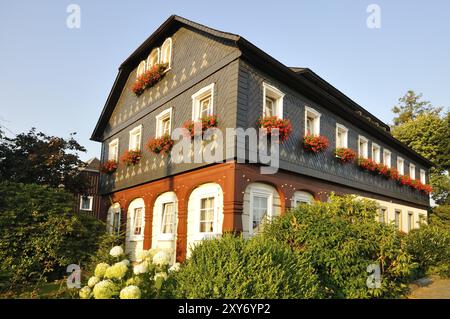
39 233
231 267
341 239
429 246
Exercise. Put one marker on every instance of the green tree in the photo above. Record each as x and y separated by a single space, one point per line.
35 157
410 106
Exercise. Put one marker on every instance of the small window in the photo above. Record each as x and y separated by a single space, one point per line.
135 139
410 221
166 52
137 221
168 218
153 58
312 121
86 203
207 215
273 101
387 158
398 215
203 103
383 215
113 151
401 166
363 147
423 178
302 198
376 153
412 171
341 136
163 123
260 209
140 69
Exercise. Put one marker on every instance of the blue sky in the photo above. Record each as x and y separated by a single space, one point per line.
57 79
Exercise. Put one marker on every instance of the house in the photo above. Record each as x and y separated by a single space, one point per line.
89 201
185 71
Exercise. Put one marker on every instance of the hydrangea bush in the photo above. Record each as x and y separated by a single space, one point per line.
120 279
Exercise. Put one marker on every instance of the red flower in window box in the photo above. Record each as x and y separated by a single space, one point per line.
270 123
345 155
394 174
149 78
417 184
199 127
314 143
131 157
405 180
384 170
160 145
368 164
109 167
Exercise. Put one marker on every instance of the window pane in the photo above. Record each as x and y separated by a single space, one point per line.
207 215
205 104
269 110
260 205
137 221
168 219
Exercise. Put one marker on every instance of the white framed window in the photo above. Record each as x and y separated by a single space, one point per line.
376 151
153 58
382 215
272 101
207 222
400 165
260 209
341 136
135 138
113 219
140 69
203 102
138 222
164 123
86 202
363 146
410 221
113 150
168 220
412 171
166 52
387 158
312 121
301 198
398 219
423 178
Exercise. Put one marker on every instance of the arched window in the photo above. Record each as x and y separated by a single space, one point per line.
165 217
301 198
166 52
135 228
153 58
140 69
113 219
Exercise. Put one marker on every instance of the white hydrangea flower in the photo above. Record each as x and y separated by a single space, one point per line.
105 289
141 268
93 281
116 251
100 270
116 271
175 267
85 292
130 292
126 262
161 258
147 254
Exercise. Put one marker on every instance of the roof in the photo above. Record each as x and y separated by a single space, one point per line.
305 80
92 164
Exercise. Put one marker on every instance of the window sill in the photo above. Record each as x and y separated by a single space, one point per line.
166 237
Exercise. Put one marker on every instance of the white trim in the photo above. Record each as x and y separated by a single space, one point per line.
341 128
158 58
168 40
91 201
277 95
199 95
366 146
376 146
316 116
113 143
301 196
412 171
132 133
159 118
135 204
423 176
112 210
262 193
385 152
141 69
401 160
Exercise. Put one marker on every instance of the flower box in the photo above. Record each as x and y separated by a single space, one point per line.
417 184
160 145
345 155
149 78
270 123
131 157
109 167
315 144
368 164
199 127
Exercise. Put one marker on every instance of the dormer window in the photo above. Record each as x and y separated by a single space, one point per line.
363 147
272 101
140 69
375 153
153 58
312 121
166 52
203 102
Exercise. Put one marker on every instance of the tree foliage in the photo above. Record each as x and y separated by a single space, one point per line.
410 106
35 157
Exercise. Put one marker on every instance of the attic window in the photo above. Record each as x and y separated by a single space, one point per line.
363 144
153 58
166 52
140 69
